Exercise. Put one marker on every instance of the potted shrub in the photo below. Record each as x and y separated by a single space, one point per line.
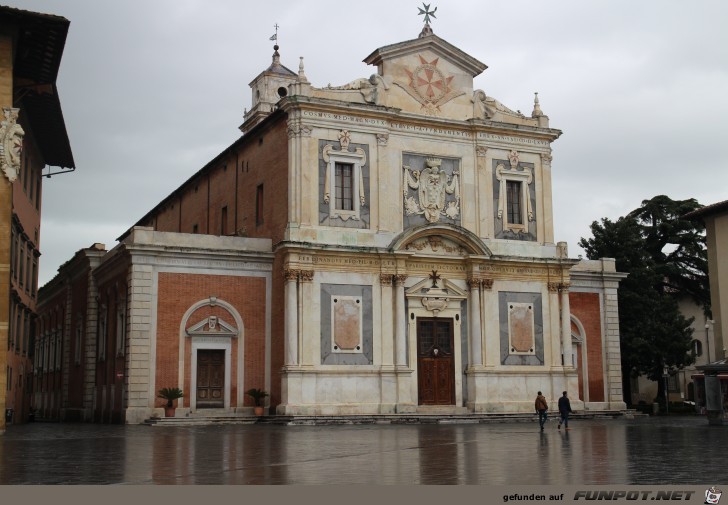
257 395
170 394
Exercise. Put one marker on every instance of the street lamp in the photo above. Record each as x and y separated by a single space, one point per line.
666 375
708 322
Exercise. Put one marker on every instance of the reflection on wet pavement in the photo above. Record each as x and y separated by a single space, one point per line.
598 452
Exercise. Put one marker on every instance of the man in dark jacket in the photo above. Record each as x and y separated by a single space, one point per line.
564 411
541 408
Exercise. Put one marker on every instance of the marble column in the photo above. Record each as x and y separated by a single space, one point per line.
565 324
476 344
291 322
387 323
400 331
305 348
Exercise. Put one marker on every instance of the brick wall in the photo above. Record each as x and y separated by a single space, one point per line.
178 292
232 181
586 308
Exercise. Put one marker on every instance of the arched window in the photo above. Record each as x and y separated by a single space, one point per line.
697 348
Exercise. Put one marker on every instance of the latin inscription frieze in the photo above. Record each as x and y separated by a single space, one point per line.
512 140
429 129
502 269
346 118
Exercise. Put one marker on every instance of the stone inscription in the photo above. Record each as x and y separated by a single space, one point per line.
346 261
514 140
428 129
519 270
434 266
344 117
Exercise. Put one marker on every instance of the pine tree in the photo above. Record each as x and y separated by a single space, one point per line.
665 257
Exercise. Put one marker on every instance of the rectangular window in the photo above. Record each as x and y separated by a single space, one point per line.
18 327
27 272
121 328
514 205
13 252
37 190
102 333
223 221
34 279
344 186
21 273
77 344
259 205
11 329
26 332
673 384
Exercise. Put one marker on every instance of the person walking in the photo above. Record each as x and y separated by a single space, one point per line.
541 407
564 411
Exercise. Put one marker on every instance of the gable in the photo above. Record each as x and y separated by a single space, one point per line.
428 75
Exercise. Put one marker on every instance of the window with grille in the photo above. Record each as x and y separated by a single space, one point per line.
344 183
514 204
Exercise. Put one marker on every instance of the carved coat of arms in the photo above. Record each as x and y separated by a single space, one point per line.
11 144
433 185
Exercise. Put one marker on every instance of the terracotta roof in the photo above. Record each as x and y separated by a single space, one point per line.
39 41
708 210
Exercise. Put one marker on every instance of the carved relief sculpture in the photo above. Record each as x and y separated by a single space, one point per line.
11 144
370 89
433 186
429 86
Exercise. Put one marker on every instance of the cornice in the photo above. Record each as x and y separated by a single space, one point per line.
295 103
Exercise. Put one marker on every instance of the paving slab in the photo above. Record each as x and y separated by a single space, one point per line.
643 450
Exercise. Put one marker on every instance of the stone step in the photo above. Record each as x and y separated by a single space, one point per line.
427 416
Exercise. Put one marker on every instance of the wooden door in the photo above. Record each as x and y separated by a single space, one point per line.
435 361
210 379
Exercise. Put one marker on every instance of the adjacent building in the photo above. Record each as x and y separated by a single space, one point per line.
32 136
712 384
380 247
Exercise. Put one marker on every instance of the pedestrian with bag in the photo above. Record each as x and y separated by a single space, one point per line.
541 408
564 411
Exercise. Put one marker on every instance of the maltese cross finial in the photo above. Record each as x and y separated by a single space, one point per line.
427 12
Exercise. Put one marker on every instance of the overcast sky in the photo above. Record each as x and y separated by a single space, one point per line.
151 90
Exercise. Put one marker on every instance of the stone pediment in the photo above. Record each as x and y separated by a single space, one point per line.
445 288
426 76
432 43
436 295
212 326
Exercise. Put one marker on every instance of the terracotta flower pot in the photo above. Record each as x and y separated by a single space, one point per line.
169 411
258 411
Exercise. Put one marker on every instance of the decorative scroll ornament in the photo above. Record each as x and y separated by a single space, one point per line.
434 185
11 144
429 86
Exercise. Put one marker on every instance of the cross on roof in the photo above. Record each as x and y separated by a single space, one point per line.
427 12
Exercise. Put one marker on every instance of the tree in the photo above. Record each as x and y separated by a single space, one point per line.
665 258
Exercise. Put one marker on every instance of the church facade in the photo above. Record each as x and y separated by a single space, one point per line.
382 247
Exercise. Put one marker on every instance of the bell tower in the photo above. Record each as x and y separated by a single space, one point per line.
267 88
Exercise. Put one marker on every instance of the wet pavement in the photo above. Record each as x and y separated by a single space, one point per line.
673 450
